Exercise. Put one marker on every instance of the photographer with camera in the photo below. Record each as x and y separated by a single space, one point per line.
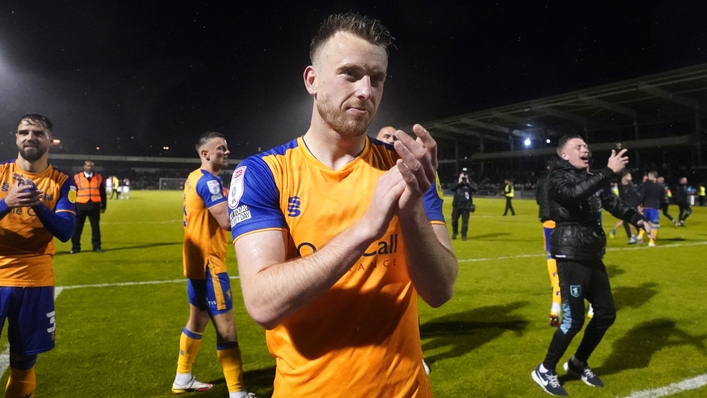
462 204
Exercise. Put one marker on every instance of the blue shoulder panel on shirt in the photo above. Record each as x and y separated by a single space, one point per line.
210 189
254 199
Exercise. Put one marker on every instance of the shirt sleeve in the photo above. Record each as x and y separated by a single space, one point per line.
210 190
433 202
67 197
254 199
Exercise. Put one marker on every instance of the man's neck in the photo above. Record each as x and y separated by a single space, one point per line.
331 148
210 168
32 167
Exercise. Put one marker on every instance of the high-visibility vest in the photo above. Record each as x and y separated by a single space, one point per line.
509 190
702 190
88 190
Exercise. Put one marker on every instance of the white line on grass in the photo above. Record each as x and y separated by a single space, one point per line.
5 356
611 249
687 384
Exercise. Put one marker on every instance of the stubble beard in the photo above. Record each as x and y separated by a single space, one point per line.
32 156
338 121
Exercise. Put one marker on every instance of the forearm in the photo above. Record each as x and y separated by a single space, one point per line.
567 190
432 265
274 292
60 225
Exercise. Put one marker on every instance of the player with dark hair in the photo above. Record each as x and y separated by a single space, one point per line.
578 243
208 285
387 135
335 281
665 201
36 205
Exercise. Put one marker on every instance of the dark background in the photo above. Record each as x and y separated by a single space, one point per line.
133 77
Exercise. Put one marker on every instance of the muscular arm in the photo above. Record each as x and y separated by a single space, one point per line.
432 265
274 288
220 213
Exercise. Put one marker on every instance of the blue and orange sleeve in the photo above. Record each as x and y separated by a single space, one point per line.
210 189
254 201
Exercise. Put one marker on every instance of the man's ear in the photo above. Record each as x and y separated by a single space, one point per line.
310 80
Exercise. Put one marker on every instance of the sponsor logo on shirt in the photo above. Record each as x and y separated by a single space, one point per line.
236 192
293 209
385 246
239 214
5 186
214 187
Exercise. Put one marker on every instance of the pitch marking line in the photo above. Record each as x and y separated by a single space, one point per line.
611 249
685 385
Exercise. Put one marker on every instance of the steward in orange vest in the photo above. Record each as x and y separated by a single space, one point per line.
90 202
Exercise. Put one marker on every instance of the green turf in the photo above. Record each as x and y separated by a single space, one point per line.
122 340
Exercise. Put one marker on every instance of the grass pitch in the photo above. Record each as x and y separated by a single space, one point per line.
120 313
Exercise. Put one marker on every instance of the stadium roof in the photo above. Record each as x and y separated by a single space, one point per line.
666 106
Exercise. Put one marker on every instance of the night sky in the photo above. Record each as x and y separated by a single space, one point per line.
131 77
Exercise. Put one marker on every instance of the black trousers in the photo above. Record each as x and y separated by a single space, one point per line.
685 211
664 208
456 213
509 206
580 281
94 217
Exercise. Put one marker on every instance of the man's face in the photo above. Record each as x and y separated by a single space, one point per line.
387 135
626 178
683 181
347 83
33 140
576 153
217 152
88 167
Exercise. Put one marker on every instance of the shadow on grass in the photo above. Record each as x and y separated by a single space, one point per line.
614 270
463 332
636 348
488 236
259 381
125 248
634 296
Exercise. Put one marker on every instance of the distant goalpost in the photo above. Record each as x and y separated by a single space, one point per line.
172 184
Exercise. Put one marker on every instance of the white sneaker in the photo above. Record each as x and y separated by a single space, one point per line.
651 244
427 368
590 312
192 386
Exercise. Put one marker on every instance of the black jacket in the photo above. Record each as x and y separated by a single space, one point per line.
576 208
542 199
630 193
463 198
682 197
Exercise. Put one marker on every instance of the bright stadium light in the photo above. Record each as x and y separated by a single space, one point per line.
547 140
527 142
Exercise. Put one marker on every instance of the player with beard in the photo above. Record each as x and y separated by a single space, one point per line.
335 281
36 205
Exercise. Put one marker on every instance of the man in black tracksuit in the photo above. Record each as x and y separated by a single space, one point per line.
578 244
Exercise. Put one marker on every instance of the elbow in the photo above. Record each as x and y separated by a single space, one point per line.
64 237
440 299
262 315
266 321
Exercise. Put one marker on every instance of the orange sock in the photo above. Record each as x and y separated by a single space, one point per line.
21 383
554 281
229 355
189 344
